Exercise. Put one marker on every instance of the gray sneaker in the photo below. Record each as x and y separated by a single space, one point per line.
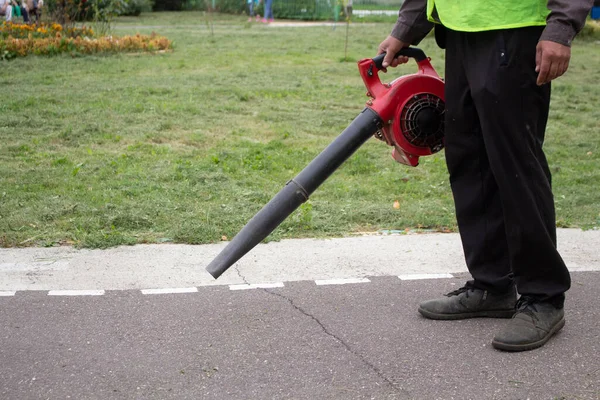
531 327
470 302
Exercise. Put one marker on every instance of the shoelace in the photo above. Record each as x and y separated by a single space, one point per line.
526 305
464 289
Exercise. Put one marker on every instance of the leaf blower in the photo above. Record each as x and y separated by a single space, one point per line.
408 114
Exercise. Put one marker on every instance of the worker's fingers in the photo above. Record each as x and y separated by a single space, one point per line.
554 70
543 70
400 60
389 59
391 46
552 60
564 67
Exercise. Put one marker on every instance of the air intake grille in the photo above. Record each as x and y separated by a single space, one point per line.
422 121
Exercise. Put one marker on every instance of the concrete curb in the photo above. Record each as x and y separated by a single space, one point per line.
182 266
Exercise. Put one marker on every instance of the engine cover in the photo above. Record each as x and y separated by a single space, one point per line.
412 107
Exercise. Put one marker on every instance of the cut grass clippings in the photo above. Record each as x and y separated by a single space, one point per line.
187 146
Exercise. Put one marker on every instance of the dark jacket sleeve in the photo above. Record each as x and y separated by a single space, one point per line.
566 19
412 25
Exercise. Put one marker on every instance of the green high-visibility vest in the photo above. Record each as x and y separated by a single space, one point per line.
486 15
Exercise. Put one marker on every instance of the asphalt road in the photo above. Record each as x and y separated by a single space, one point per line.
294 340
302 341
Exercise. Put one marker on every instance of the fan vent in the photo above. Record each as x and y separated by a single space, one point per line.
422 121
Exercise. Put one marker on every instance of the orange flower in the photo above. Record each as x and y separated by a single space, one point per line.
57 43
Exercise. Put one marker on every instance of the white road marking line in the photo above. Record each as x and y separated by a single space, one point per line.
341 281
170 290
411 277
75 292
246 286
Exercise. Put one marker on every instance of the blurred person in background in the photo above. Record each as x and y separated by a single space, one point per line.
6 10
268 17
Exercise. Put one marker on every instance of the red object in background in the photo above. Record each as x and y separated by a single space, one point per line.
412 108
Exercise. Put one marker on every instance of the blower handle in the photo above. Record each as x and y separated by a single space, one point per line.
412 52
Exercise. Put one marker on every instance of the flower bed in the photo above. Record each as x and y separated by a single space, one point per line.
27 31
20 40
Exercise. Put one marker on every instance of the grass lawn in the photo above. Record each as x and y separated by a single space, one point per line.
187 146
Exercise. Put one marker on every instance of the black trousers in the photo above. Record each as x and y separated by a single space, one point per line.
495 123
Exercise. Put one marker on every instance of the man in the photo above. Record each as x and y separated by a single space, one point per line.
500 58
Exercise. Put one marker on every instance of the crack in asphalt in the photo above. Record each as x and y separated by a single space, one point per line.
341 341
332 335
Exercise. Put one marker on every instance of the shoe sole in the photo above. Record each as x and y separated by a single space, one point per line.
529 346
478 314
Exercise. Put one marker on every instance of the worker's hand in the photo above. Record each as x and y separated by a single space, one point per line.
391 46
551 60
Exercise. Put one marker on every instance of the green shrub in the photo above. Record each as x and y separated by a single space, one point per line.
136 7
168 5
299 9
231 6
68 11
223 6
195 5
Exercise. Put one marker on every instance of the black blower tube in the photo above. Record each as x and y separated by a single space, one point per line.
297 191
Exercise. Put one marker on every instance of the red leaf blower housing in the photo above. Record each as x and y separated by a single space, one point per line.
412 107
408 114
